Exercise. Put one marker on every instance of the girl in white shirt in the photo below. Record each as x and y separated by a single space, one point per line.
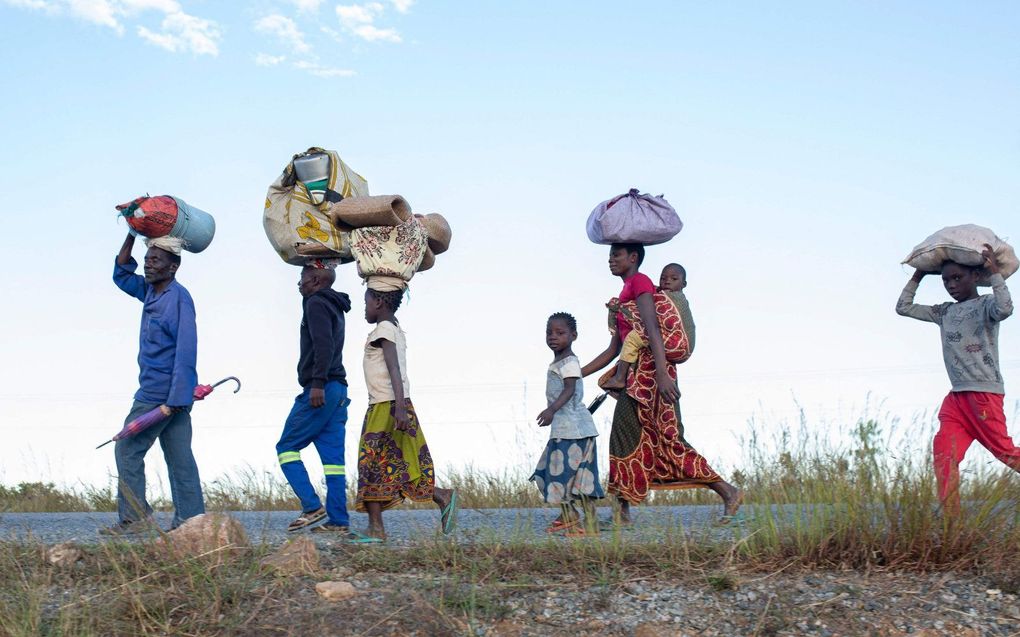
393 459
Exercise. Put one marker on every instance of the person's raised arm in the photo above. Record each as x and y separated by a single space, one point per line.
124 271
905 306
667 388
1002 306
389 350
124 256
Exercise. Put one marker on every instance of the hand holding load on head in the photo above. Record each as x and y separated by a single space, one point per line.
967 245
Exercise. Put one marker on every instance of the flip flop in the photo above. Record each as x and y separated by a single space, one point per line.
559 525
736 516
306 520
726 519
448 517
357 537
580 532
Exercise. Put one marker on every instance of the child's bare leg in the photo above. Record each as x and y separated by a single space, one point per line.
732 498
568 514
591 518
375 522
619 379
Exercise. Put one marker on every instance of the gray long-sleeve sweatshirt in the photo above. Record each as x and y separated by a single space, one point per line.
970 334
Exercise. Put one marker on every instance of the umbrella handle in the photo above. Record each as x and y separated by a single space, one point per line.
233 378
595 404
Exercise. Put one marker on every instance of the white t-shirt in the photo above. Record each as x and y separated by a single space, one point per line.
377 376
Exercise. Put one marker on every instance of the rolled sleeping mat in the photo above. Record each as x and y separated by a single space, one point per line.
364 212
427 261
439 232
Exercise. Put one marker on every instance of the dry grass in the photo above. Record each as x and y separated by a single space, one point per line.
865 503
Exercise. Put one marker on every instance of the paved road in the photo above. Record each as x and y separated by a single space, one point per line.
403 526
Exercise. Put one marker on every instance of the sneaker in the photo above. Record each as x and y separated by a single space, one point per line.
130 527
330 527
306 520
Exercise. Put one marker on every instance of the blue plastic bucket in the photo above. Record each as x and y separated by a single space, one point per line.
195 227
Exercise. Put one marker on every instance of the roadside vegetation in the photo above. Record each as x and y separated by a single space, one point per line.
865 505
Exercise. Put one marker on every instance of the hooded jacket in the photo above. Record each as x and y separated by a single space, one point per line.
322 338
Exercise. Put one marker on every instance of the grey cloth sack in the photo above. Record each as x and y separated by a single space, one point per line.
633 218
963 245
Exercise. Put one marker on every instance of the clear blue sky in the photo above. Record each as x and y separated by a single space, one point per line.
807 146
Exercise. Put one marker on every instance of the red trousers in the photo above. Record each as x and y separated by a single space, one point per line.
967 416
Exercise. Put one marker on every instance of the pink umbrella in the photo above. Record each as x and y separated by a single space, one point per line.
161 413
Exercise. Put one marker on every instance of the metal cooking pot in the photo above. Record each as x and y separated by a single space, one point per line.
311 168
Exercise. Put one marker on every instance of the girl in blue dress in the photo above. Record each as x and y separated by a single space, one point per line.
568 469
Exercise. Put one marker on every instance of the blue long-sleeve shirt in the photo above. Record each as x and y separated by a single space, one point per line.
168 341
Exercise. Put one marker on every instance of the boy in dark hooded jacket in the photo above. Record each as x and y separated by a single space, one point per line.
319 414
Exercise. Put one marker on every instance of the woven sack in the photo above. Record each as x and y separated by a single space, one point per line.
393 251
633 218
151 217
963 245
362 212
291 219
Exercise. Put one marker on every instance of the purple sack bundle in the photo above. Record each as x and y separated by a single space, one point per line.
633 218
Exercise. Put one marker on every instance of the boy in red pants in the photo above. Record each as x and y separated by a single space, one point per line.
970 346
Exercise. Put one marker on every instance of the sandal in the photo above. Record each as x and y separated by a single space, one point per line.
580 532
559 525
306 520
357 537
737 515
330 527
448 518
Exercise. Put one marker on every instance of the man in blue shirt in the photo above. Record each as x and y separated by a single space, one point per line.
167 347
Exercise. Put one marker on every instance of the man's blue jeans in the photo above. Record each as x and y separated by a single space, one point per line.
324 427
174 436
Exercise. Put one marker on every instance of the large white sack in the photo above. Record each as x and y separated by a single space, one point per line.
633 218
963 245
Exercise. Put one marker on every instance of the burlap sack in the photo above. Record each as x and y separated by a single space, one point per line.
963 245
292 219
390 251
364 212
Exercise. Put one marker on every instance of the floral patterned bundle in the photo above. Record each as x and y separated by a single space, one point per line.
390 251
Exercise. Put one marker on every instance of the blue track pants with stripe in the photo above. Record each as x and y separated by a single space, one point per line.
324 427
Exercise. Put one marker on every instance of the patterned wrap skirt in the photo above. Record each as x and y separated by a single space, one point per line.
568 470
647 450
393 465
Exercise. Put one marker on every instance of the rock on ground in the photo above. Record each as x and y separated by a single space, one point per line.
63 555
213 536
335 591
297 557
